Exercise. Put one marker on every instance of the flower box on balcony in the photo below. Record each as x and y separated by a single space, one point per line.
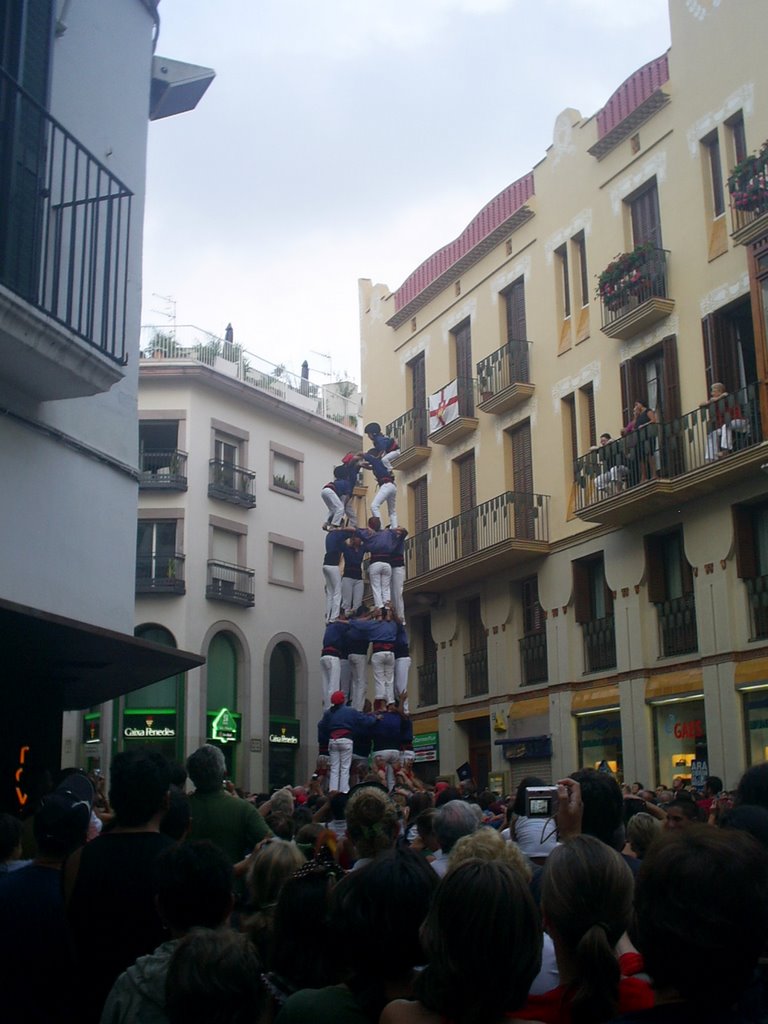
748 189
633 291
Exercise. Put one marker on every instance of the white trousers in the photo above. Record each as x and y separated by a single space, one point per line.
351 593
345 676
358 665
332 577
335 505
380 578
386 493
402 668
398 581
383 665
330 666
341 761
389 759
349 508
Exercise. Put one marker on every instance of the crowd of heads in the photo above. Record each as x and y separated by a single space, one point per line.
408 894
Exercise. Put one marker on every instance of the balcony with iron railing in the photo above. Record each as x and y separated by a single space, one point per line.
757 589
160 574
410 431
167 351
599 644
748 188
533 658
452 411
663 464
64 245
231 483
476 672
677 626
506 531
503 377
230 583
427 676
633 292
163 470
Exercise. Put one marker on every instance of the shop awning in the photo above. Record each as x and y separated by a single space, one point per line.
84 664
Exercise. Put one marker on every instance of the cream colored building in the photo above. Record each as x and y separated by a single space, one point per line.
567 605
233 453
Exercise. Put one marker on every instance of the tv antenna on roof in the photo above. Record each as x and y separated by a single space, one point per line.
170 309
324 355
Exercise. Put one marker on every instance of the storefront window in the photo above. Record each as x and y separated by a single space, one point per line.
680 739
756 724
222 692
600 742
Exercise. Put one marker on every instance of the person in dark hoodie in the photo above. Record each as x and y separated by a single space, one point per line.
193 889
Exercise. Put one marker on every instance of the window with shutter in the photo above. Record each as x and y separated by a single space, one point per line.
669 579
419 399
467 505
588 396
746 546
729 347
522 479
514 302
419 504
462 337
646 218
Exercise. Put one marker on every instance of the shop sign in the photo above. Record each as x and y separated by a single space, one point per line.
690 730
527 749
284 732
92 728
426 746
149 725
225 727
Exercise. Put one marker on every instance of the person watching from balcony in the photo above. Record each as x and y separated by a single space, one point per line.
614 474
640 451
724 419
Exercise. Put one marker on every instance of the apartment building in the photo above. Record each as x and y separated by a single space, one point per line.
233 454
78 84
570 602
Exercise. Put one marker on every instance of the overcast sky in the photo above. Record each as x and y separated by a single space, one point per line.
353 138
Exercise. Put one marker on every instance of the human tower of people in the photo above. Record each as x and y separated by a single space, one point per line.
352 730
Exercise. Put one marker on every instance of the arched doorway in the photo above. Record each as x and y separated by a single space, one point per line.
284 729
223 718
153 716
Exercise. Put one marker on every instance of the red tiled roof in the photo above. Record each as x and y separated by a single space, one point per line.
493 216
632 93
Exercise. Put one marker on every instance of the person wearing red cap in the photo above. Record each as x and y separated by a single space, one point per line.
337 729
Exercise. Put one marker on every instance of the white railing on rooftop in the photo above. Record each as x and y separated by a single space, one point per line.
338 401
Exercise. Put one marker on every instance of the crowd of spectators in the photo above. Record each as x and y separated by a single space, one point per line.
149 903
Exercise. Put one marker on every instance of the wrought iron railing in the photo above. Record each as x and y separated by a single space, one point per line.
645 278
427 676
338 401
757 589
231 483
533 658
410 430
163 470
677 626
160 574
513 515
476 672
599 644
64 225
508 365
699 438
232 583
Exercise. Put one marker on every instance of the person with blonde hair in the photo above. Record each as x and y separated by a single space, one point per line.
373 823
271 864
487 844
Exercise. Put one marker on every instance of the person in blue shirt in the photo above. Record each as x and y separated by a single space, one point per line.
335 495
330 659
335 546
338 727
381 631
386 448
